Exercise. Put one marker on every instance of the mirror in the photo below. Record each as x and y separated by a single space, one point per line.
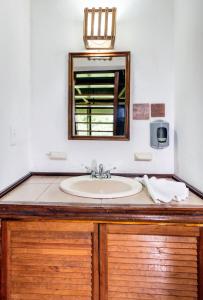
99 95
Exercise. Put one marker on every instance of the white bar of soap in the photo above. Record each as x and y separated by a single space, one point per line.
57 155
143 156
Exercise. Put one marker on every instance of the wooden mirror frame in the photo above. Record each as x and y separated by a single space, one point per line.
73 55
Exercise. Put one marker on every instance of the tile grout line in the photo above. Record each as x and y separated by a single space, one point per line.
49 184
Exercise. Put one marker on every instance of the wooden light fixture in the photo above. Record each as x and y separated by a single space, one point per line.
99 28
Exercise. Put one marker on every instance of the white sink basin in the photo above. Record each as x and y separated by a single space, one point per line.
115 187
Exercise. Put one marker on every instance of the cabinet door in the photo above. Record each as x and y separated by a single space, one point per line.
149 262
52 260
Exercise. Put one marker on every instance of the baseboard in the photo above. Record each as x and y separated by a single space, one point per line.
14 185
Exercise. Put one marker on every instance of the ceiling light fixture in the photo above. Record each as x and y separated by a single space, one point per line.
99 28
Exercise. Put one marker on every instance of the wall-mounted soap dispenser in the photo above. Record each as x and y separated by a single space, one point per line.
159 134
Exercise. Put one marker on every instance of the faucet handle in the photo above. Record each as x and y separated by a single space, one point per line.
108 172
92 172
88 169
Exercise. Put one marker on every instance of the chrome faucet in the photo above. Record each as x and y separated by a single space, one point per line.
100 173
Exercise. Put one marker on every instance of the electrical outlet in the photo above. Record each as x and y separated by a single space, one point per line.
57 155
143 156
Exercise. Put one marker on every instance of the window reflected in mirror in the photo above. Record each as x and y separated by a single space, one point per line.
99 97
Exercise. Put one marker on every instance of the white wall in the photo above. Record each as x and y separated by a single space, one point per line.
189 92
145 27
14 88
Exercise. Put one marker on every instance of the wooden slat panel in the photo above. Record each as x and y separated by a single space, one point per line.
157 273
50 274
155 244
174 230
158 265
169 262
86 259
154 250
152 244
49 235
46 297
66 280
45 290
75 252
50 246
154 256
60 242
152 291
60 287
114 238
151 285
52 260
48 269
147 278
143 296
50 226
45 262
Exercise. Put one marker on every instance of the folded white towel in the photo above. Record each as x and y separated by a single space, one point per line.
164 190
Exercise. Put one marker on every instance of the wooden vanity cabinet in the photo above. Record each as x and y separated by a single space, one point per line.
62 260
149 262
50 261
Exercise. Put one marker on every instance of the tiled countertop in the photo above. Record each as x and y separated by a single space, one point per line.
45 190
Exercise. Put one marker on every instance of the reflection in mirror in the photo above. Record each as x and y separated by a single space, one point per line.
99 96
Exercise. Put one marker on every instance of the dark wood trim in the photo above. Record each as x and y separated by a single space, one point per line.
58 173
73 55
95 264
116 84
193 189
127 95
100 54
70 96
154 229
100 138
83 173
14 185
200 266
161 213
4 261
103 254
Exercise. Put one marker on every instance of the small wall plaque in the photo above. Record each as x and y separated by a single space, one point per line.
158 110
141 111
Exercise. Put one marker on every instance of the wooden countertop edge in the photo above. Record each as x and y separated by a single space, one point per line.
129 213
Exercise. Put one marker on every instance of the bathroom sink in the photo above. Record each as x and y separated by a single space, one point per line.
114 187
